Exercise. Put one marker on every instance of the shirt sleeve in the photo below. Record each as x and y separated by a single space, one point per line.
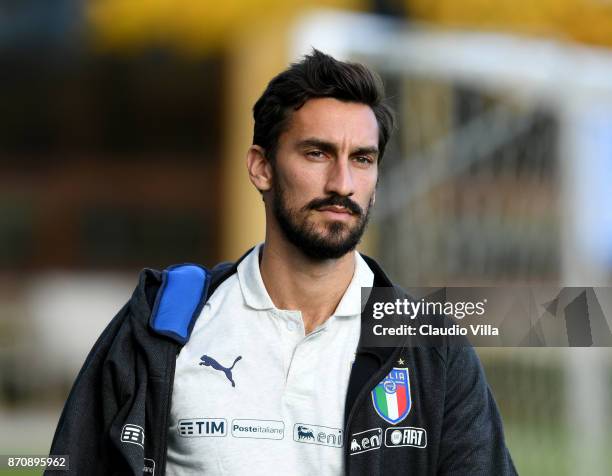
472 433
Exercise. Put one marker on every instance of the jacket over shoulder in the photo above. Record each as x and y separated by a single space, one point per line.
121 393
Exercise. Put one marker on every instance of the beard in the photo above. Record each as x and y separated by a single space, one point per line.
335 241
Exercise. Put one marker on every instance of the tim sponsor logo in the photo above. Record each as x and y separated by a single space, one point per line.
133 434
405 436
367 440
198 427
317 435
260 429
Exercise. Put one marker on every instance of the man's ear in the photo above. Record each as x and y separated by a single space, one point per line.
259 167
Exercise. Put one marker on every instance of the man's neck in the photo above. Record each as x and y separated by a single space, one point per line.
296 282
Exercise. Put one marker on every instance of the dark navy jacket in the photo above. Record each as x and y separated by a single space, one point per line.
115 421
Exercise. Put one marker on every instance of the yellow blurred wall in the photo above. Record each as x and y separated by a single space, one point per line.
588 21
252 59
191 26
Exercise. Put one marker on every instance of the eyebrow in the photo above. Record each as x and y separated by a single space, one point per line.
331 148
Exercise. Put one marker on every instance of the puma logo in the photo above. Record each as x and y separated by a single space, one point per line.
210 362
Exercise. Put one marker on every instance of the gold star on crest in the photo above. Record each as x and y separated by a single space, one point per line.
400 361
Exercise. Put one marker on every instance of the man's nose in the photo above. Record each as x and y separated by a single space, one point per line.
340 179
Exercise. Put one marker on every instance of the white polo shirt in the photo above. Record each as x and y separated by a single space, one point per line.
279 408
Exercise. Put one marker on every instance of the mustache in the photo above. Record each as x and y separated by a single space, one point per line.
336 200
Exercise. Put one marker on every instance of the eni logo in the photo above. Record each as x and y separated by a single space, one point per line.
317 435
210 362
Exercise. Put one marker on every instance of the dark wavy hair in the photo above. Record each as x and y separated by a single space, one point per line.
318 75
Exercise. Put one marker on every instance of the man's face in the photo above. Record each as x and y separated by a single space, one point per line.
325 173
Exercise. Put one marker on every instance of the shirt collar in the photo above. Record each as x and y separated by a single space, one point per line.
351 303
249 276
256 296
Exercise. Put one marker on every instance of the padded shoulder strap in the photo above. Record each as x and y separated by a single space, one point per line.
179 301
184 290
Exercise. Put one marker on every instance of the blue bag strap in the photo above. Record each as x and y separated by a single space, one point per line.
179 301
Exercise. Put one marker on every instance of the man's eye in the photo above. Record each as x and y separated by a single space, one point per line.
317 154
364 160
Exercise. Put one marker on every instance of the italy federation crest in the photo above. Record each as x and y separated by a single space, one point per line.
391 397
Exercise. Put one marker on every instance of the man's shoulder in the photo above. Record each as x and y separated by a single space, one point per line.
169 301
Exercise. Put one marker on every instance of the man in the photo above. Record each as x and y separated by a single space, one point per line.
259 367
